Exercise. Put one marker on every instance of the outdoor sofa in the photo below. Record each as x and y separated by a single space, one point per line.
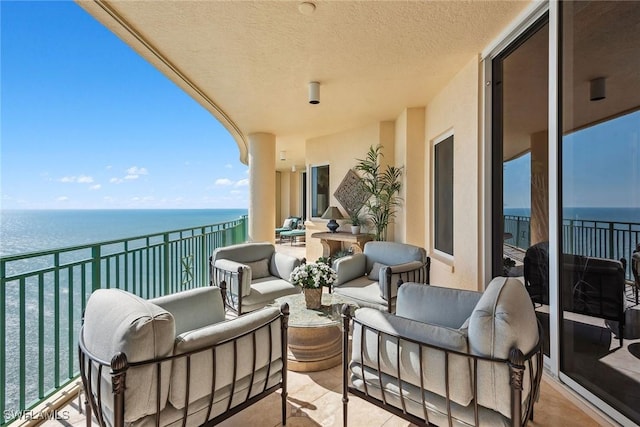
175 360
448 357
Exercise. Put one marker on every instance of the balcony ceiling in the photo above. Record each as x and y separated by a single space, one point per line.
249 62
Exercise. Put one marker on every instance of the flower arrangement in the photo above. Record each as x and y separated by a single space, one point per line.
313 276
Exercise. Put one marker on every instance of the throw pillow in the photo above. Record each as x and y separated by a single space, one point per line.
259 269
287 223
374 274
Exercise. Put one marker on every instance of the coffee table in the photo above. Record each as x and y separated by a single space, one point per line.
315 336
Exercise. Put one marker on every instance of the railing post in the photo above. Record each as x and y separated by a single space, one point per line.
95 267
518 231
3 352
610 255
165 261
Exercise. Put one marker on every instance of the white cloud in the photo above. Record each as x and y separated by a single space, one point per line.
116 180
134 170
242 183
130 177
62 199
108 167
228 166
95 187
223 181
82 179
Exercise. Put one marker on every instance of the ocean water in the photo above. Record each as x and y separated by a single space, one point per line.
627 215
34 230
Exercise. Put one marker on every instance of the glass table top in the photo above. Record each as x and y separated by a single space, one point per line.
330 313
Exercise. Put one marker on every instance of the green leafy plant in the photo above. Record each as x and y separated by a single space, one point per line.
354 218
383 187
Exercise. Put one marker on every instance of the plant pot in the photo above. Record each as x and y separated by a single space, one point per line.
313 298
355 229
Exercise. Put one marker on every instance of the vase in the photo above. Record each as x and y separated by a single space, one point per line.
355 229
313 298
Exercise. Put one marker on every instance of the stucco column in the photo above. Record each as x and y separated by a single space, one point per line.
262 187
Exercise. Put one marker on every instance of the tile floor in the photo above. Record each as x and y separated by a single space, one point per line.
315 399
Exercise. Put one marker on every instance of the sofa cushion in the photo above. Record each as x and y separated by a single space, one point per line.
349 268
118 321
267 338
259 269
194 308
431 373
503 319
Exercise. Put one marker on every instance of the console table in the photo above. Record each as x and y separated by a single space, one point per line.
333 242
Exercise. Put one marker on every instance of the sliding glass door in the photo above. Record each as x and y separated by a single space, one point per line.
600 200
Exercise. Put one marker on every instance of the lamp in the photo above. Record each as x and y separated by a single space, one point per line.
283 155
293 168
332 213
314 93
598 89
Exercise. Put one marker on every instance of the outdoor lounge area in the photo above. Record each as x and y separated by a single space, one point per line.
315 398
482 154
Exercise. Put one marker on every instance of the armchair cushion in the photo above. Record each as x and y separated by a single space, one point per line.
395 271
503 319
228 265
433 304
259 269
433 360
202 362
194 309
117 321
349 268
281 265
375 273
392 253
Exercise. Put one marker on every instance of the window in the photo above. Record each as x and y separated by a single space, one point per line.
319 190
443 195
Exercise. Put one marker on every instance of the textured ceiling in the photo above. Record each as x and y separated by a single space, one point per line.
250 62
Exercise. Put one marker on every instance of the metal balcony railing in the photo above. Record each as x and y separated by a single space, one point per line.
603 239
43 295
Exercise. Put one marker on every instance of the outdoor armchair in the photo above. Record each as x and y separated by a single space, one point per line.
252 275
448 356
291 223
371 278
175 360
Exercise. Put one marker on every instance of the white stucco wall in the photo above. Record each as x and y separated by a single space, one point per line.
455 109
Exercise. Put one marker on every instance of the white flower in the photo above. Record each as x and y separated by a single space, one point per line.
313 275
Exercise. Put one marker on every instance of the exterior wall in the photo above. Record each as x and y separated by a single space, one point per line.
340 151
288 196
456 109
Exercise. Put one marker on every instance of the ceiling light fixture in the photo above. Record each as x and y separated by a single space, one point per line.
598 89
283 155
307 8
314 93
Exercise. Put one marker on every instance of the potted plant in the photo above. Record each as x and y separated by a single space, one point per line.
383 187
356 222
312 277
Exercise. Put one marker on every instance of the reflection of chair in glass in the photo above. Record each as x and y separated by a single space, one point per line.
536 272
594 287
635 268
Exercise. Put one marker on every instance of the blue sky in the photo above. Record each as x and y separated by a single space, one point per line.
88 124
601 167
